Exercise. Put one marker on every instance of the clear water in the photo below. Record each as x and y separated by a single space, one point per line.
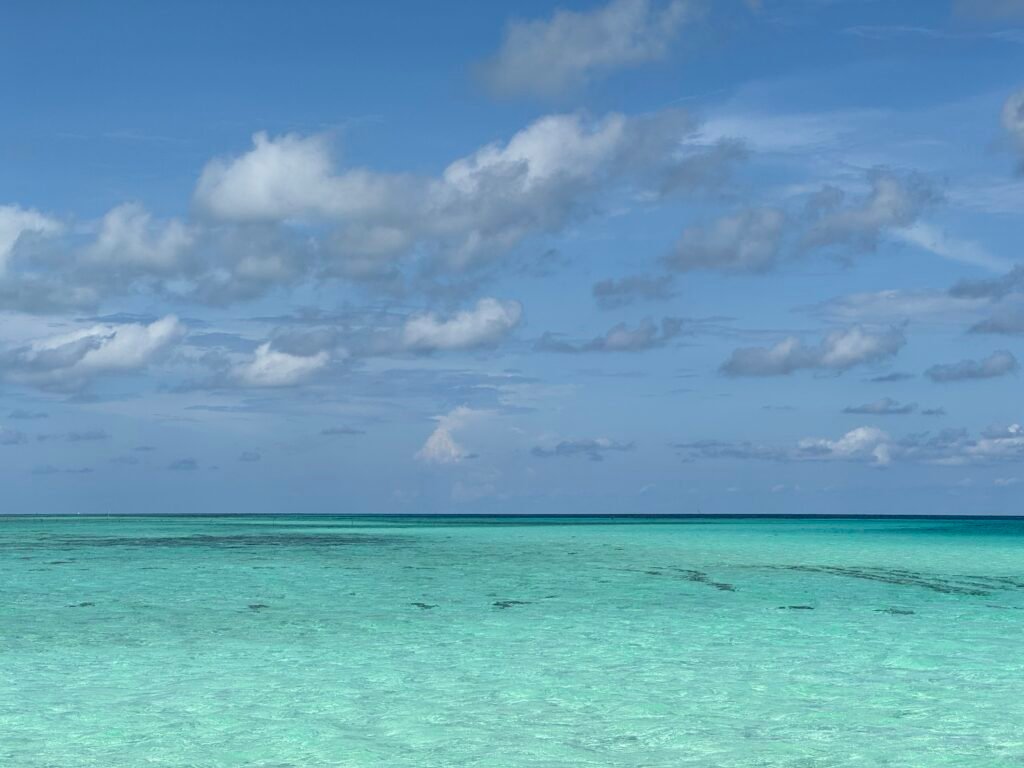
370 642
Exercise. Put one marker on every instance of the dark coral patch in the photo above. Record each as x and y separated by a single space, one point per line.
508 603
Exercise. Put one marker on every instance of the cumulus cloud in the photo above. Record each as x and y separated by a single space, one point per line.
72 359
285 212
484 325
550 56
1006 443
441 446
996 288
286 177
883 407
16 222
1005 321
859 443
1005 292
130 252
748 241
269 367
877 447
1000 363
615 293
838 351
129 237
893 201
481 206
620 338
759 239
593 448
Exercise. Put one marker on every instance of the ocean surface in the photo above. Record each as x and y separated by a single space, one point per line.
306 642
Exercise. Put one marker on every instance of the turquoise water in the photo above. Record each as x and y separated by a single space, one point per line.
244 641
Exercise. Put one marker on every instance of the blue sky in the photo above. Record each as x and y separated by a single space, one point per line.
640 256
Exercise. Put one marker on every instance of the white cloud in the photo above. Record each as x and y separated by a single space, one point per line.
758 239
484 325
284 211
272 368
285 177
784 133
129 236
132 345
1000 363
441 446
895 306
1003 444
15 222
942 244
747 241
861 442
838 351
481 205
949 447
75 358
894 201
548 57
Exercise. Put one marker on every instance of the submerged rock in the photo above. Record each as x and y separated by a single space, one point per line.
509 603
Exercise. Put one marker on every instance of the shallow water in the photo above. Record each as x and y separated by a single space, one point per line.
287 641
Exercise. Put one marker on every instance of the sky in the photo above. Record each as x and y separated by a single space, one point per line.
638 256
